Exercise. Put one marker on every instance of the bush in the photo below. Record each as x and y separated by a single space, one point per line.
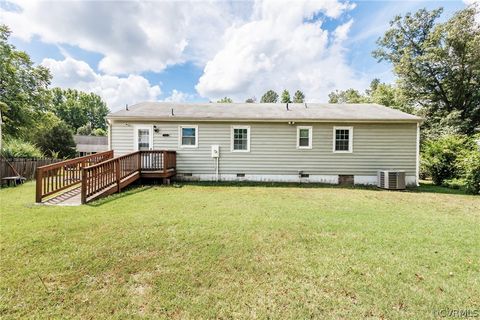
454 183
99 132
16 148
57 140
440 157
471 166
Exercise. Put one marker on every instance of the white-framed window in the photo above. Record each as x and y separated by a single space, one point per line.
142 137
304 137
343 139
188 136
240 139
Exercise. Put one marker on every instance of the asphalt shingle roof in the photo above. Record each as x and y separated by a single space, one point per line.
261 112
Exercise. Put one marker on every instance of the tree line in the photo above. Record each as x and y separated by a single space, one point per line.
36 116
272 97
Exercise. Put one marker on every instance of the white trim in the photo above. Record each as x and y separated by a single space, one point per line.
233 127
350 139
329 179
180 133
136 127
109 135
417 168
310 135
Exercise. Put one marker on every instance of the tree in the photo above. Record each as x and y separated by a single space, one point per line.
299 97
99 132
347 96
78 108
85 130
269 97
389 96
437 64
251 100
57 140
225 100
23 87
286 96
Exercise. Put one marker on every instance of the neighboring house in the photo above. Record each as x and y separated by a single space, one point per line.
273 142
86 145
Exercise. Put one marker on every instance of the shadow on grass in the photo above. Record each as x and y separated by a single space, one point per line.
128 191
274 185
428 187
425 187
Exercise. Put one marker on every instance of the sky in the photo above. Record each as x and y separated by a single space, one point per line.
198 51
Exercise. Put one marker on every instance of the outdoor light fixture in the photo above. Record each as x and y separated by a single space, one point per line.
156 129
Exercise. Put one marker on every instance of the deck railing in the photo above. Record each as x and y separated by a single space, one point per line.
59 176
107 176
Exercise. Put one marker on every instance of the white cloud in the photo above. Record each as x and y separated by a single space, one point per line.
133 36
282 47
178 96
116 91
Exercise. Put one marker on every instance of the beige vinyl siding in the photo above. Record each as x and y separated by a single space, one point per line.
274 151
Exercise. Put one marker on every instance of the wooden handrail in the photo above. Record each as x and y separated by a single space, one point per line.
104 176
59 176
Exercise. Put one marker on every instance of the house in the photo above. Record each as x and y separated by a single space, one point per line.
86 145
313 142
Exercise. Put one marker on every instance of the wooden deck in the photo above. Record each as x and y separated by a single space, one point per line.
85 179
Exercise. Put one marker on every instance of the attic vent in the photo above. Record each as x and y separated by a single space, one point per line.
393 180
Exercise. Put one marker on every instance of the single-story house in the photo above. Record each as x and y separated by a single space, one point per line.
86 145
312 142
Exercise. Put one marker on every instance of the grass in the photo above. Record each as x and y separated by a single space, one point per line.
244 251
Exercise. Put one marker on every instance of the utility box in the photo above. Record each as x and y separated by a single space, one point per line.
215 151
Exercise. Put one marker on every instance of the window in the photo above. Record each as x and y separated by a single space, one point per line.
304 137
241 138
188 136
343 139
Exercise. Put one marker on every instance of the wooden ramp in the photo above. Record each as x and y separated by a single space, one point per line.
85 179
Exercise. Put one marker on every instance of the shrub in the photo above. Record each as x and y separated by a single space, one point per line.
57 140
99 132
16 148
440 157
454 183
471 167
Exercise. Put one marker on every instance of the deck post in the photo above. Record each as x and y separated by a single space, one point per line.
139 161
39 180
117 174
165 162
84 186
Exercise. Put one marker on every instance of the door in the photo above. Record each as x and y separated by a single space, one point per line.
143 138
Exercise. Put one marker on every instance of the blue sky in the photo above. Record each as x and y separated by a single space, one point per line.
200 51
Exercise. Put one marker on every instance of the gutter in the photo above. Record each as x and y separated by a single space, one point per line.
180 119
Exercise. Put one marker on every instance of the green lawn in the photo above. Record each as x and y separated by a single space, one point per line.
205 251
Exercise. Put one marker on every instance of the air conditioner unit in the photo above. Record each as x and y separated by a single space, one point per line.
391 179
